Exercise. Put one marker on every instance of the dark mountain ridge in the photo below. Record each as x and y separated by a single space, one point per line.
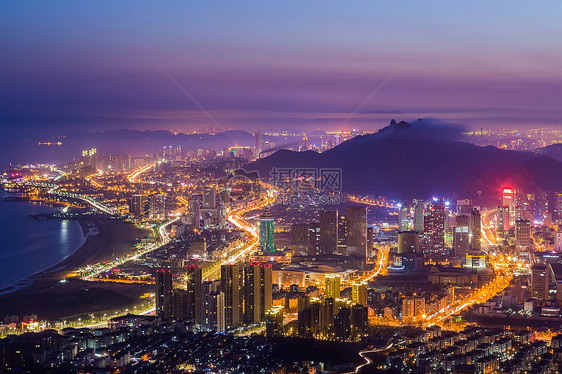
405 161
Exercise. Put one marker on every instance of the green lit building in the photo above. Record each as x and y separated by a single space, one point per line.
267 229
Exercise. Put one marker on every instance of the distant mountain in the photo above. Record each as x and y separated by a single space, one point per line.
410 160
554 151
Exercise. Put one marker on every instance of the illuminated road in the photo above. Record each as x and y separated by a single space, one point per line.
53 190
487 232
372 201
90 178
503 277
91 271
235 217
135 174
367 359
382 260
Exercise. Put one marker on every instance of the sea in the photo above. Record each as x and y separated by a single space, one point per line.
29 245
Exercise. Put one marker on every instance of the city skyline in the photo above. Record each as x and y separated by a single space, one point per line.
298 187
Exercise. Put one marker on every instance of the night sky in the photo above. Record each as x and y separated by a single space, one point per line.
69 65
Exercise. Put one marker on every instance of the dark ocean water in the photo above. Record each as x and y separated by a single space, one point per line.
29 245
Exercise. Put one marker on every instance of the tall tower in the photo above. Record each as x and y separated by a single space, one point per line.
434 226
136 204
164 294
419 216
356 232
157 206
464 206
332 285
404 221
508 198
539 282
313 239
461 239
257 292
194 213
329 232
408 242
259 143
252 293
267 232
208 313
502 219
299 239
209 198
359 293
194 282
231 285
266 289
523 237
476 229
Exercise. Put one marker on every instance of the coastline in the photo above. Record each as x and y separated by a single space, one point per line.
42 293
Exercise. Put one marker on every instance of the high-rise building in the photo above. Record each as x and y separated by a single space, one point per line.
413 307
266 289
329 232
209 197
193 287
137 204
314 238
558 242
359 321
404 217
259 143
419 208
461 238
408 308
216 320
164 294
558 205
502 219
434 226
370 241
231 285
299 239
356 231
274 321
157 206
541 205
508 198
476 231
267 232
408 242
252 293
342 224
342 324
207 288
539 282
464 206
180 303
328 311
523 237
332 286
359 293
194 213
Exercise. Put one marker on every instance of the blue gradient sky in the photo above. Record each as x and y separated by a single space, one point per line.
292 64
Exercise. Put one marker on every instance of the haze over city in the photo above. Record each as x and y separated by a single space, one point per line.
280 187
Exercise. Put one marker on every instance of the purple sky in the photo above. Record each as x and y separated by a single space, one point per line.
290 64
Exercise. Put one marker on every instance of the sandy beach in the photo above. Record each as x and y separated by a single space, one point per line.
42 294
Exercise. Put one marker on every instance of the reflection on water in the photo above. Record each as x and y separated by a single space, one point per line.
29 245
